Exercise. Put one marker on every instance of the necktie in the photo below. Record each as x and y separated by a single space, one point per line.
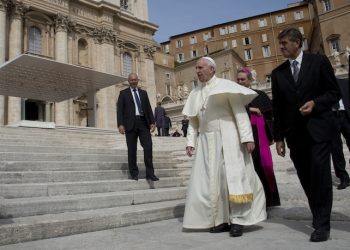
295 70
138 102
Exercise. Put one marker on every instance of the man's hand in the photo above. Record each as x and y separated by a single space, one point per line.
255 110
190 151
153 127
307 108
249 146
121 129
281 148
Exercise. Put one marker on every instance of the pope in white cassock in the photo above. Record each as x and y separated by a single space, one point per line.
224 193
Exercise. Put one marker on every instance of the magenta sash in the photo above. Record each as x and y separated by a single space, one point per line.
264 149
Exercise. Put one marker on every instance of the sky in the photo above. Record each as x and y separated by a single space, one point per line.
180 16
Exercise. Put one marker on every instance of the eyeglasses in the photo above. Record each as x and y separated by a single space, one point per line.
241 79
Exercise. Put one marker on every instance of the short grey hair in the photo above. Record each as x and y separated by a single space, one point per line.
292 34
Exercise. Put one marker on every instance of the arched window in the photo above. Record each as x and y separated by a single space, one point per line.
124 4
83 53
127 64
35 40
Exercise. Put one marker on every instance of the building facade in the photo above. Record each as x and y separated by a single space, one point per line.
112 36
331 34
254 39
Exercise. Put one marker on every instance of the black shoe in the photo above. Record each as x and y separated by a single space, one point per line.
221 228
136 178
343 184
236 230
319 236
152 178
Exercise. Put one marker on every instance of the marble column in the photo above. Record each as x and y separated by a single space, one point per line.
106 98
15 49
3 7
61 55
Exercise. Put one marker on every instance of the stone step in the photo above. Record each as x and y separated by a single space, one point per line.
79 150
72 188
21 207
86 166
15 230
27 156
10 177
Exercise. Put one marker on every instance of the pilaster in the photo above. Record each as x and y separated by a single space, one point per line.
106 98
18 10
3 11
61 55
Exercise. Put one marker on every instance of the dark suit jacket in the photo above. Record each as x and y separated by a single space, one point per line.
159 113
316 82
126 113
345 94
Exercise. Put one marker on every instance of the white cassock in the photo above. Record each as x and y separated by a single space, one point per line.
224 187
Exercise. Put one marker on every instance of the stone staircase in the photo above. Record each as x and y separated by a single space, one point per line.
63 181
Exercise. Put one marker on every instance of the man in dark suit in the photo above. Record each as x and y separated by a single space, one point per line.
166 125
185 123
342 116
304 90
159 113
135 120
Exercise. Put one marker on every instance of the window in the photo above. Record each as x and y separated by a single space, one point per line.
248 54
193 39
264 37
35 40
247 40
280 19
193 53
223 31
305 45
234 43
301 29
225 44
167 76
124 5
268 78
232 29
327 5
266 51
334 44
179 43
206 36
127 64
245 26
180 57
206 50
262 22
298 15
83 55
225 75
166 49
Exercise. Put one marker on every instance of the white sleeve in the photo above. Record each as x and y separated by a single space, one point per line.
192 132
242 119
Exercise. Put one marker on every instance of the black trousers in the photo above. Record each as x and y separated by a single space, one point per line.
142 132
343 128
160 131
313 164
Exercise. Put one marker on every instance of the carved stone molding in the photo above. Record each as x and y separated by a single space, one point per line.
149 51
17 8
64 23
5 4
104 35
